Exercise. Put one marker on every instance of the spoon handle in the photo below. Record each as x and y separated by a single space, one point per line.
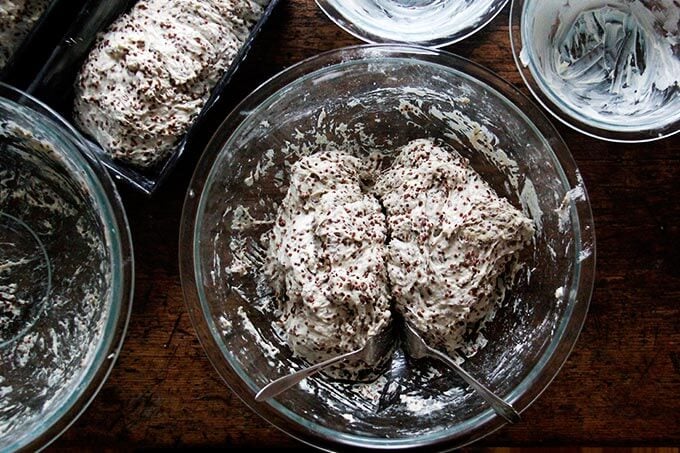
282 384
502 408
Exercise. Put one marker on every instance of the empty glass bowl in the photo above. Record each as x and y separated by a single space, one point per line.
65 274
609 69
432 23
367 99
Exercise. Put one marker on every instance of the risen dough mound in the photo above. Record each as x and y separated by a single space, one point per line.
152 72
453 240
327 260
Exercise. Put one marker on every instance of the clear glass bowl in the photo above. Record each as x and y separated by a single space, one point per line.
431 23
66 273
364 99
609 69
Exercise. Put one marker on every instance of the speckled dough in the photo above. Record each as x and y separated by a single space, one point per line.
453 242
152 72
17 18
327 259
442 246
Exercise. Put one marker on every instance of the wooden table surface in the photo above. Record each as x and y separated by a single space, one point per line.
620 386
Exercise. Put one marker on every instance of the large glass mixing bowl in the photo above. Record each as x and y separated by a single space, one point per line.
65 274
432 23
377 98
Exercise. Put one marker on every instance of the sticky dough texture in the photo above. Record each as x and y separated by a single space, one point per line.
453 239
152 72
328 260
443 250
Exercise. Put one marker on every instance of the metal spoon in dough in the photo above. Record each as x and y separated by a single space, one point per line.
415 347
376 348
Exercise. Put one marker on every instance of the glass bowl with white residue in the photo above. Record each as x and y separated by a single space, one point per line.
65 274
364 100
609 69
431 23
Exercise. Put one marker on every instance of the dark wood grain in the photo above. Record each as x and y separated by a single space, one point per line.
620 386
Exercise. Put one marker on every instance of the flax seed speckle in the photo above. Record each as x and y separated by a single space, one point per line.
327 260
152 71
453 241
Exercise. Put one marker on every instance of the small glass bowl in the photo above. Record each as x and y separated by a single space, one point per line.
609 69
66 274
365 99
431 23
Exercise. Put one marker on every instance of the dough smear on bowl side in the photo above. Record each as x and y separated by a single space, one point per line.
327 262
453 243
153 70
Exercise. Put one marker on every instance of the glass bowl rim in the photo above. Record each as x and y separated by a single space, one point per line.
570 325
565 114
110 207
360 33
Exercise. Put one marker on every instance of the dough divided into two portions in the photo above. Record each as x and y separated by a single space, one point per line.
441 245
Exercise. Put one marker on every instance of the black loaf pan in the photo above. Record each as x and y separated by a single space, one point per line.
55 82
36 48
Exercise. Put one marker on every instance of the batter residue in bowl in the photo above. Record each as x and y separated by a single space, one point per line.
450 248
54 293
607 63
152 72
